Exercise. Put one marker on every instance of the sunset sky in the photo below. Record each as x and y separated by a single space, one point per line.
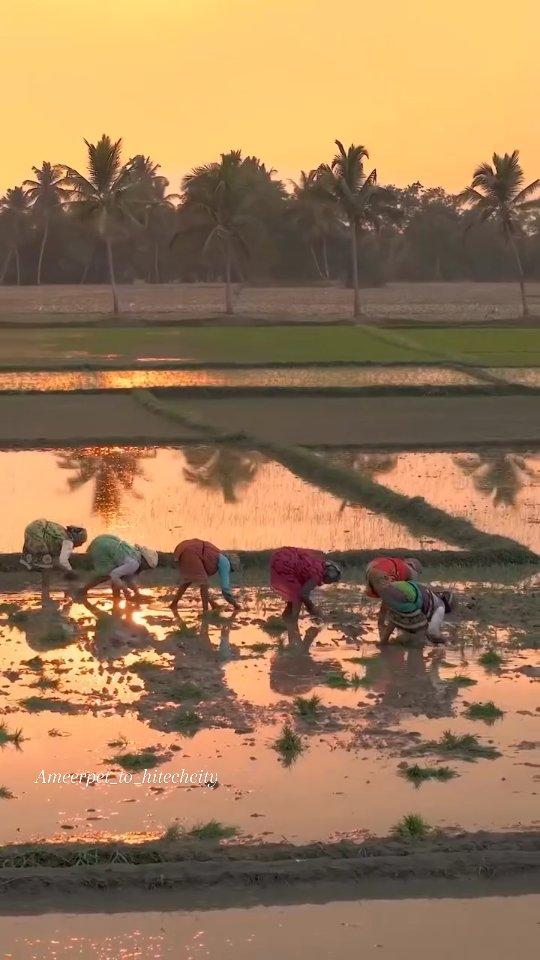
430 87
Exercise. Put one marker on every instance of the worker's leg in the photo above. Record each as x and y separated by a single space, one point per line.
179 594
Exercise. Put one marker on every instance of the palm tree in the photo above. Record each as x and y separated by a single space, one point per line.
157 204
496 193
112 470
221 469
499 476
46 195
106 197
314 214
360 200
14 210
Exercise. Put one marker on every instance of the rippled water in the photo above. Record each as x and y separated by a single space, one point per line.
239 499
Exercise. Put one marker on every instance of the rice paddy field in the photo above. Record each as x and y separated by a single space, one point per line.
173 784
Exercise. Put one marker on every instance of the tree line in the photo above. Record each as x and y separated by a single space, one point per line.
235 221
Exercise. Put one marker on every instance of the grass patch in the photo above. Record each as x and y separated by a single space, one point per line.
288 745
119 744
139 760
484 711
6 794
412 827
40 704
491 660
46 683
7 736
186 722
185 691
465 746
260 647
418 775
308 707
340 680
273 625
212 830
462 680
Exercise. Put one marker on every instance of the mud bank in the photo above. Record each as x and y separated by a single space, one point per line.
68 868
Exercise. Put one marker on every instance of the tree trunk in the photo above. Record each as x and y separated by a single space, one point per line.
17 265
7 262
521 275
157 278
112 279
315 261
325 259
228 289
354 253
42 251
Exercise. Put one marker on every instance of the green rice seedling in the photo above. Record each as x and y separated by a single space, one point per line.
308 707
491 660
484 711
119 744
184 632
336 679
465 745
288 745
140 760
186 722
363 661
46 683
418 775
213 830
35 663
462 680
273 625
5 794
173 832
412 827
260 647
37 704
6 736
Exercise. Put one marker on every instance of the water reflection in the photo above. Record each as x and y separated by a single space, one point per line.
499 476
222 469
111 470
293 670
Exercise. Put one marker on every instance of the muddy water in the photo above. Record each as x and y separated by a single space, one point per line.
112 690
493 927
239 499
342 376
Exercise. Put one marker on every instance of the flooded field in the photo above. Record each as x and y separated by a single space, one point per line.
342 376
239 499
499 926
206 701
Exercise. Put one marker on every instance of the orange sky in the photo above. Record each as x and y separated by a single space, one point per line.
430 87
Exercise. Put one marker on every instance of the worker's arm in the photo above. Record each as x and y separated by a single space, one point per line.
65 552
224 575
305 597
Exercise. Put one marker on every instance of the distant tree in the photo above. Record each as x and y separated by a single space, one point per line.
315 215
15 221
500 476
360 200
496 193
46 194
156 206
107 197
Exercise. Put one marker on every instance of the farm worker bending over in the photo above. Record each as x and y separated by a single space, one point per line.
385 570
414 608
49 545
118 561
198 560
295 572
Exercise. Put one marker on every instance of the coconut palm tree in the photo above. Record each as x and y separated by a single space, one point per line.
315 216
107 197
221 469
46 194
360 200
497 193
157 206
14 212
500 476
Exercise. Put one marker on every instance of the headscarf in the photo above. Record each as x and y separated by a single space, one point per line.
77 535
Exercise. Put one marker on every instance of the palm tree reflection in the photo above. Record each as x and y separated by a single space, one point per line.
369 464
112 470
500 476
222 469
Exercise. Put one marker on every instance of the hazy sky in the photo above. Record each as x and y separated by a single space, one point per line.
430 87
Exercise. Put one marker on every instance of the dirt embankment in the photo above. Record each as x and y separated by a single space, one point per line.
178 865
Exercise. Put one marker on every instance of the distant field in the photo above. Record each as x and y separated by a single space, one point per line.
516 346
445 302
